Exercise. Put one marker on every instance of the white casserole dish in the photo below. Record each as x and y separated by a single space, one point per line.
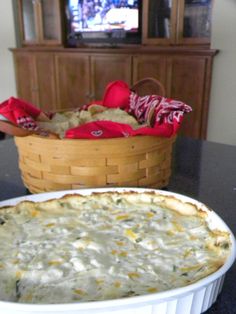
192 299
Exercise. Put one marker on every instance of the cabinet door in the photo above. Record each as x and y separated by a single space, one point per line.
106 68
176 22
45 85
188 84
150 66
72 79
194 21
27 12
50 22
25 76
159 21
40 22
35 78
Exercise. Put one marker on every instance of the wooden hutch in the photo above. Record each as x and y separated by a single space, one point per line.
175 49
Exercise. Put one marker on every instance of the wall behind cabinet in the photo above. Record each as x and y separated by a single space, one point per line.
222 114
7 39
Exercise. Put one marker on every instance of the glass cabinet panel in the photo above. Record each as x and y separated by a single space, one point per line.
197 19
28 16
159 18
40 22
176 21
50 20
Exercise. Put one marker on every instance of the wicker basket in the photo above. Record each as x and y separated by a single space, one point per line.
53 164
49 164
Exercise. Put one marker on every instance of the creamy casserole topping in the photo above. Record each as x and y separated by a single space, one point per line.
104 246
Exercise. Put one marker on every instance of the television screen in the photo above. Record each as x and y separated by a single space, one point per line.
107 19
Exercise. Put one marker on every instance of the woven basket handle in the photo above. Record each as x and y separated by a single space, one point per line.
11 129
159 87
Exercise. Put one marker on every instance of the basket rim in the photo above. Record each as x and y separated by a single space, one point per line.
116 139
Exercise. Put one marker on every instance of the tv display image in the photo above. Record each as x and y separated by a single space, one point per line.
103 21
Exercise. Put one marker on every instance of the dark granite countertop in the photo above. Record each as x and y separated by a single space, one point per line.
203 170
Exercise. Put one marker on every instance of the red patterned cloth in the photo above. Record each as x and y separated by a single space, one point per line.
160 116
100 129
141 107
20 113
163 115
116 95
